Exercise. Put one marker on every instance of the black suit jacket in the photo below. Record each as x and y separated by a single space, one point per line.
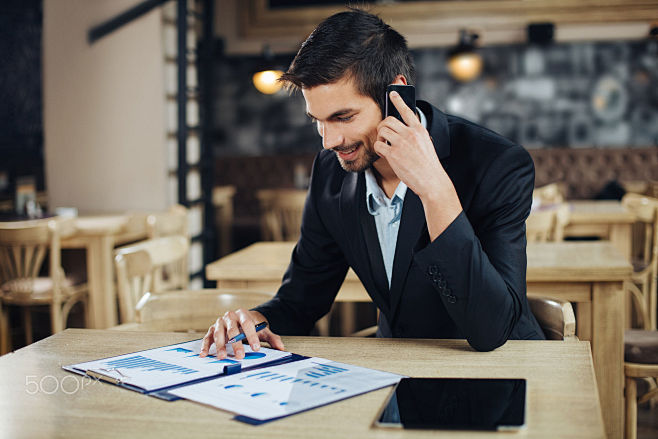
470 282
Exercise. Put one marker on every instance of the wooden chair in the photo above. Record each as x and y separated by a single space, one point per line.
23 248
642 187
555 317
643 284
640 362
547 223
189 311
539 225
281 213
222 200
641 345
173 222
137 268
549 194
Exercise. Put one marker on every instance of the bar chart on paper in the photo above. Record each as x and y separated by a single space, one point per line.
171 365
282 390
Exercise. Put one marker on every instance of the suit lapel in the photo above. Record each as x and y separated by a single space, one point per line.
413 234
363 239
412 228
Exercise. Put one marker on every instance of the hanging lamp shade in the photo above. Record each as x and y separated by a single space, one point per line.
267 81
464 62
266 77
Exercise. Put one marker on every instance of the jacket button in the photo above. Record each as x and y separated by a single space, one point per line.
433 269
442 284
452 299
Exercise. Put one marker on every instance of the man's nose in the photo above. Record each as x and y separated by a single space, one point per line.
331 137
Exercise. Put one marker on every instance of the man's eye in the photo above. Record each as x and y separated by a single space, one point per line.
345 118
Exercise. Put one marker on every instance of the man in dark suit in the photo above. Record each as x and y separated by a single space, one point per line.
430 213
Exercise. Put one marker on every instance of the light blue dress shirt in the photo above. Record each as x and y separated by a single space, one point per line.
387 213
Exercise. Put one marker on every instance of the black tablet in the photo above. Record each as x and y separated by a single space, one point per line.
455 404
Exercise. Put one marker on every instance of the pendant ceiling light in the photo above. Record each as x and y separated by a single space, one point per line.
464 62
266 78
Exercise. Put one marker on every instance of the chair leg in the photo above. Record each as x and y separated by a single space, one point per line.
323 325
27 324
347 318
630 426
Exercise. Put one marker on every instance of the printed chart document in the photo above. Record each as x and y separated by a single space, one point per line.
167 366
272 392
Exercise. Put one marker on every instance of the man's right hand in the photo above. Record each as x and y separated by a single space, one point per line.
230 325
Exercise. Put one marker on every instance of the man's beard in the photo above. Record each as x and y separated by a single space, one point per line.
361 163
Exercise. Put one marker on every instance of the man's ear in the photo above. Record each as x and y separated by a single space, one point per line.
400 80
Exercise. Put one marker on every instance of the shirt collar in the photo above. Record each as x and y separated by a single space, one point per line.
422 117
375 196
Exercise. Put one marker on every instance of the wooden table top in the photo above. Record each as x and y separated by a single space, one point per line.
599 212
581 261
588 261
122 227
39 399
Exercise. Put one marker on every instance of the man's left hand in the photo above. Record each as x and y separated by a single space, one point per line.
410 153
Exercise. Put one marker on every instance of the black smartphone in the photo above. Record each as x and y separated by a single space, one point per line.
408 93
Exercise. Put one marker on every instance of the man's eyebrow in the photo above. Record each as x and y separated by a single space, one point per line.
334 114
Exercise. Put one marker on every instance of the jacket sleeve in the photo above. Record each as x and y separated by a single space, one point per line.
316 271
481 278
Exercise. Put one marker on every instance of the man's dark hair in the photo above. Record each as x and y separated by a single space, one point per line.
355 44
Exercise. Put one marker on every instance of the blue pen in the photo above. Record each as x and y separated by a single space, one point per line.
241 336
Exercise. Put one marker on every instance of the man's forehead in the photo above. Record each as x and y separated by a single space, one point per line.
326 99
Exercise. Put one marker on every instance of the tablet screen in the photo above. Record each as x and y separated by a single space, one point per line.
456 404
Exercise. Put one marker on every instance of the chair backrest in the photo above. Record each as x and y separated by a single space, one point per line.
555 317
169 223
645 210
547 223
549 194
539 225
23 247
645 298
138 267
281 213
190 310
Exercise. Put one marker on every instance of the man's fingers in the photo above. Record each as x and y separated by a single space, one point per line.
207 341
249 328
220 339
387 134
408 115
381 148
273 339
232 329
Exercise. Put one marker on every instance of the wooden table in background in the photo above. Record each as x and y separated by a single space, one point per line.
588 274
39 399
605 219
98 235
